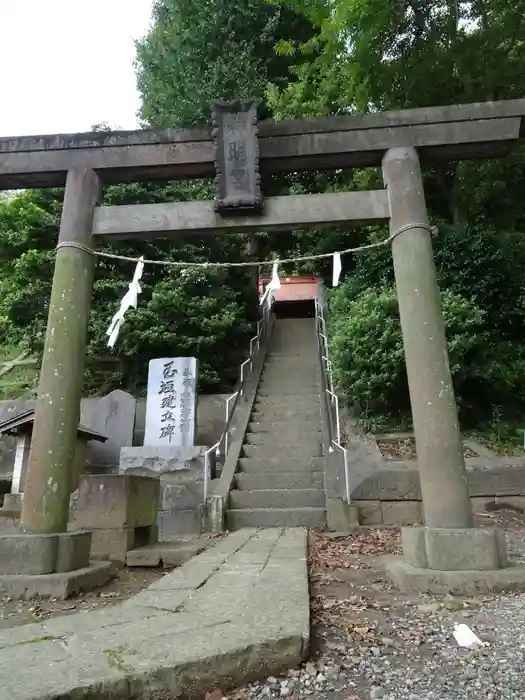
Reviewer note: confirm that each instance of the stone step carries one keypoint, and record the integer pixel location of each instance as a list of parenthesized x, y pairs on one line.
[(290, 372), (292, 425), (292, 365), (277, 498), (287, 399), (276, 517), (288, 385), (275, 407), (299, 414), (284, 393), (253, 481), (284, 439), (166, 554), (275, 451), (274, 356), (279, 463)]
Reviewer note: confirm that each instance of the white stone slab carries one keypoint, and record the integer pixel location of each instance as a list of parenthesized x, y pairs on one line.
[(171, 402)]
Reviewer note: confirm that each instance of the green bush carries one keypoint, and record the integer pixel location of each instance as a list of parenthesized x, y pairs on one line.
[(367, 347)]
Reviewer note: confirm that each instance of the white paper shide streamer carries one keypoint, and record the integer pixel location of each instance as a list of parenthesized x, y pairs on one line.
[(129, 300), (336, 269), (274, 283)]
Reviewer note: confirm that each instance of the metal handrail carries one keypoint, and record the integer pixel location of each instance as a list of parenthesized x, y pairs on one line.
[(220, 449), (332, 400)]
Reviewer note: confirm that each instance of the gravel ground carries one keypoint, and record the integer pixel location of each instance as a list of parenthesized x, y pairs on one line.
[(369, 641)]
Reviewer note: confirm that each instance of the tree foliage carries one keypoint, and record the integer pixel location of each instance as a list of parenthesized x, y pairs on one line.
[(181, 311), (369, 55), (193, 53), (197, 52), (310, 58)]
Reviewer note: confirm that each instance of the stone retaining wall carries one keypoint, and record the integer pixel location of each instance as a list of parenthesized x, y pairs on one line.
[(392, 495)]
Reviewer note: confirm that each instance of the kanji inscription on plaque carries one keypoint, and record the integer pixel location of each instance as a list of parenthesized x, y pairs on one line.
[(235, 135), (171, 402)]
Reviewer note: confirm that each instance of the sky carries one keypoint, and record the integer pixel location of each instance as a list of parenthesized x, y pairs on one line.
[(66, 65)]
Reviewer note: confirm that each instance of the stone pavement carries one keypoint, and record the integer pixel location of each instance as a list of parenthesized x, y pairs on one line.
[(236, 612)]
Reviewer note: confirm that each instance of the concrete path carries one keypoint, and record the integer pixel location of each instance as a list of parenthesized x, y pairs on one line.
[(236, 612)]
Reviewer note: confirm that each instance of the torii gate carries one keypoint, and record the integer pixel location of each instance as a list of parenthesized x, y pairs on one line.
[(396, 140)]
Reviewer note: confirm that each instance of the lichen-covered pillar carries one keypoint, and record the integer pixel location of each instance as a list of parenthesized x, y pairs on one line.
[(439, 449), (52, 456)]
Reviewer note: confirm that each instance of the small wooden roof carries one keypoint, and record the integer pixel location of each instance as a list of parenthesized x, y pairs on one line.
[(293, 287), (23, 423)]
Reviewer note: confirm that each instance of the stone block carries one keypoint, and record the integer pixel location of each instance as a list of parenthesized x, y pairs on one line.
[(509, 480), (512, 502), (481, 504), (113, 416), (13, 502), (399, 485), (341, 516), (148, 557), (471, 549), (116, 501), (28, 554), (215, 514), (59, 585), (480, 482), (183, 522), (9, 522), (368, 490), (167, 554), (112, 544), (74, 550), (363, 462), (401, 512), (181, 496), (172, 463), (414, 547), (412, 580), (369, 512)]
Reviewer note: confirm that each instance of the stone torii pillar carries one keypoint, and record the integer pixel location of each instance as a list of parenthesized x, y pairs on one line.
[(448, 554), (45, 506)]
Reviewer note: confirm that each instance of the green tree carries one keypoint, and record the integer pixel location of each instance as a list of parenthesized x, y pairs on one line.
[(207, 313), (194, 53), (387, 54), (369, 55), (197, 52)]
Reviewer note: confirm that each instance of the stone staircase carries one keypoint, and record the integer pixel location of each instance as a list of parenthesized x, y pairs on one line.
[(279, 479)]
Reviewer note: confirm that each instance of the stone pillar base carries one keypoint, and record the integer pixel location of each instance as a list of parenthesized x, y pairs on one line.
[(58, 565), (455, 561), (35, 554), (470, 549), (13, 502)]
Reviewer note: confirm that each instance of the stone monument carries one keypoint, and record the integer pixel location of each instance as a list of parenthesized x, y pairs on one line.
[(169, 452), (171, 402)]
